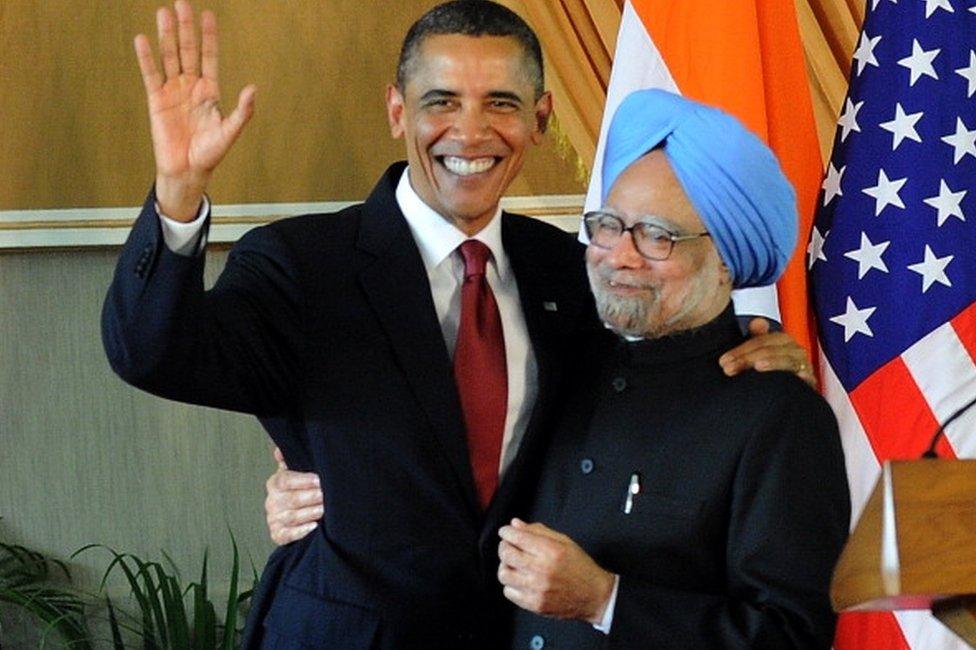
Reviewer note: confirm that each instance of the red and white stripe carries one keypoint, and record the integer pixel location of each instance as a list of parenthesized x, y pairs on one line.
[(892, 415)]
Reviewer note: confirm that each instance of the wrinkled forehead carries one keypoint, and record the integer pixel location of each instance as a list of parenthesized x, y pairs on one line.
[(649, 187)]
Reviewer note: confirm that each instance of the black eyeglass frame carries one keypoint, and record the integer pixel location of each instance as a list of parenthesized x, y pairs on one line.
[(590, 221)]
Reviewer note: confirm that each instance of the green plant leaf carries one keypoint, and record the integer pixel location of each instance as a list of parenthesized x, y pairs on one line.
[(113, 623), (230, 618), (24, 582)]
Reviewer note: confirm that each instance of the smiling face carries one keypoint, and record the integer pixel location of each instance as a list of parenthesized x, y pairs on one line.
[(636, 296), (467, 113)]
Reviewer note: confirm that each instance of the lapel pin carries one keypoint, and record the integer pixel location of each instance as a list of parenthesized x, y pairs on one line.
[(550, 306)]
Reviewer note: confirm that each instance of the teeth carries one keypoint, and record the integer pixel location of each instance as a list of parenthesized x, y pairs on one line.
[(465, 167)]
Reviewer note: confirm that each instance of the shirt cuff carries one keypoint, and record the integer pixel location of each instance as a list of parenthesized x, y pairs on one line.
[(186, 238), (604, 625)]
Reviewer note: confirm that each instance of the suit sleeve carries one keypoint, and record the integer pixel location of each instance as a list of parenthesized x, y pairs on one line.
[(232, 347), (789, 519)]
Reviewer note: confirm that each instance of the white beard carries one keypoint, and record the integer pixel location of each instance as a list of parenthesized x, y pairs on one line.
[(643, 317)]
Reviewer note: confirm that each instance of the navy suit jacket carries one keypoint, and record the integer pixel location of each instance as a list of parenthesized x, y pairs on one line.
[(324, 327)]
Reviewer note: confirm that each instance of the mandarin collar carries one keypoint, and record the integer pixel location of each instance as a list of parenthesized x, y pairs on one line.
[(711, 339)]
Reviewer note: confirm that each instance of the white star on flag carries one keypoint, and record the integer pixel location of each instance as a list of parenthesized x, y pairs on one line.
[(874, 3), (815, 247), (848, 120), (902, 126), (831, 184), (932, 269), (885, 193), (854, 320), (920, 62), (947, 203), (868, 256), (969, 72), (932, 5), (864, 54), (963, 141)]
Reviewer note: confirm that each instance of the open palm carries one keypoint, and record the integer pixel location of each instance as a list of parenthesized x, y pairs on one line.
[(190, 136)]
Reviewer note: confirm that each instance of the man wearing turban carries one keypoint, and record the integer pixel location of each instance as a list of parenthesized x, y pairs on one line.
[(678, 507)]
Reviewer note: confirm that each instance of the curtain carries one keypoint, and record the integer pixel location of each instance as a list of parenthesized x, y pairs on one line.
[(578, 38)]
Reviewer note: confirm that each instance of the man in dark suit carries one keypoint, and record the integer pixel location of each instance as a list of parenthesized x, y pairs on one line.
[(410, 369)]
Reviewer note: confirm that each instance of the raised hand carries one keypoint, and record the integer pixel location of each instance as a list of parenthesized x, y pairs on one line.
[(190, 136)]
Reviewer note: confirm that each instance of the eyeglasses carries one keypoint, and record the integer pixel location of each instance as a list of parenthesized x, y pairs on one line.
[(653, 242)]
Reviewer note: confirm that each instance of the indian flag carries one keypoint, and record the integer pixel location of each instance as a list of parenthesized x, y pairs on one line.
[(746, 58)]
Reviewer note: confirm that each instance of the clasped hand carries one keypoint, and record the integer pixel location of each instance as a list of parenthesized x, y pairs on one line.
[(546, 572)]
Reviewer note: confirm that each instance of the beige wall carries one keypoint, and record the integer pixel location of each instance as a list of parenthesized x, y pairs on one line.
[(85, 458)]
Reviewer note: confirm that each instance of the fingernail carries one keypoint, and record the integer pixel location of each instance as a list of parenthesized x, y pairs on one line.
[(310, 527), (318, 481), (763, 365)]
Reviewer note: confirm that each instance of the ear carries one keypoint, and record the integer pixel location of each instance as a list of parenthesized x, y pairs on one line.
[(724, 277), (543, 109), (394, 110)]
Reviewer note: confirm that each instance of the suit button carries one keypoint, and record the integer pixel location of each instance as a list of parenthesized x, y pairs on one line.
[(619, 384), (537, 643), (586, 465)]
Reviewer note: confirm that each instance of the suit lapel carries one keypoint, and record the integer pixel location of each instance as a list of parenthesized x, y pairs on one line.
[(396, 286), (539, 291)]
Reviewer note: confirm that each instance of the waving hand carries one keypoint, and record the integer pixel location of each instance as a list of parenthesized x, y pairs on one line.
[(190, 135)]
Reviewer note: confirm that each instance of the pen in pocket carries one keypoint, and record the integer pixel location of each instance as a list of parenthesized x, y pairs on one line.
[(633, 489)]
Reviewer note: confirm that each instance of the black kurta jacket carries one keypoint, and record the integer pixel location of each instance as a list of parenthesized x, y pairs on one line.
[(743, 505)]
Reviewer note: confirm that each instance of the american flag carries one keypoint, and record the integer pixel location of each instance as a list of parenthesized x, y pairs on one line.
[(892, 260)]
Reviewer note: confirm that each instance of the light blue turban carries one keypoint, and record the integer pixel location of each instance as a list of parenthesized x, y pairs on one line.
[(733, 180)]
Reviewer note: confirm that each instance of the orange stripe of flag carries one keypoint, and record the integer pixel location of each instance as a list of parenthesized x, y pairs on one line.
[(793, 136)]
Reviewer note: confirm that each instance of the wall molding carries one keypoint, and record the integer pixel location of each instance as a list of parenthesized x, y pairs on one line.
[(73, 228)]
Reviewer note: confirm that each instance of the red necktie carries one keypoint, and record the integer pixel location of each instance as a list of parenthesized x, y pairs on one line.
[(480, 370)]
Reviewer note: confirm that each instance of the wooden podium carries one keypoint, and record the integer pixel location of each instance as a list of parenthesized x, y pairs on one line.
[(914, 546)]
